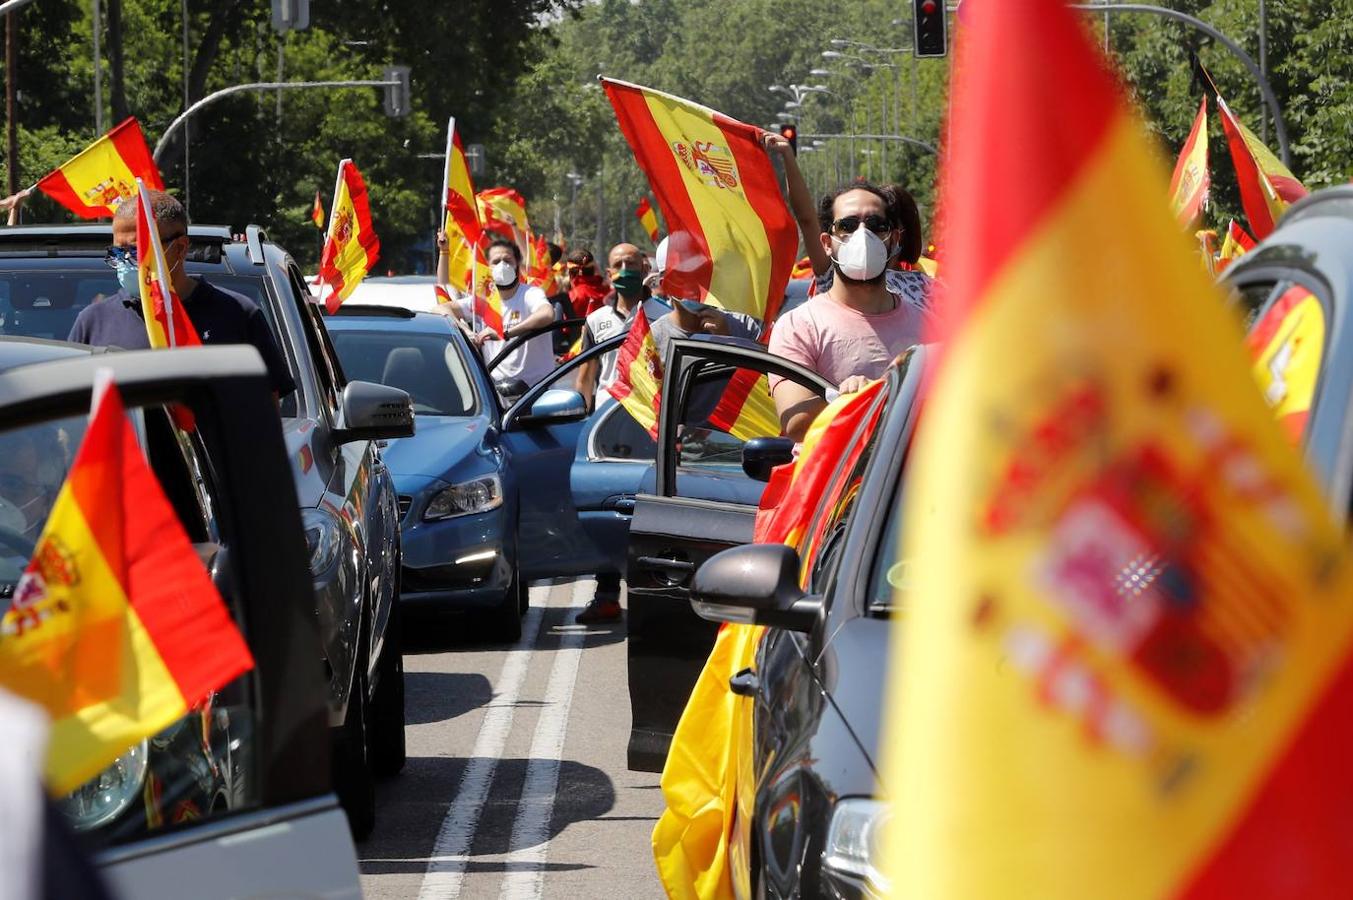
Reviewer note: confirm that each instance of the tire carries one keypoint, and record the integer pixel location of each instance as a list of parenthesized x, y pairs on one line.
[(504, 622), (388, 750), (353, 779)]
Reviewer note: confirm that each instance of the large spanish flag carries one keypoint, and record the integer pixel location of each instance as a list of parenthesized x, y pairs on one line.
[(351, 247), (1266, 185), (713, 181), (93, 182), (458, 198), (1191, 179), (115, 627), (1121, 666), (167, 322), (638, 383)]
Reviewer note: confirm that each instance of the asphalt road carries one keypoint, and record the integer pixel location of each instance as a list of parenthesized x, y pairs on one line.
[(516, 785)]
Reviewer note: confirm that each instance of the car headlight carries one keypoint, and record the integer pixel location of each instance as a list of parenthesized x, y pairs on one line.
[(103, 798), (479, 495), (323, 538), (853, 841)]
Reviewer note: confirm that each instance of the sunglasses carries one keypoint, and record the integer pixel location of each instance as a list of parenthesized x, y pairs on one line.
[(580, 270), (847, 225), (116, 257)]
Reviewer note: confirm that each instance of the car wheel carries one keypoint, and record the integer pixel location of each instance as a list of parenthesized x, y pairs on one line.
[(353, 780), (388, 752), (505, 619)]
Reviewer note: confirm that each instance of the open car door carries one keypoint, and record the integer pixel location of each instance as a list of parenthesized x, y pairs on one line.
[(234, 799), (702, 502)]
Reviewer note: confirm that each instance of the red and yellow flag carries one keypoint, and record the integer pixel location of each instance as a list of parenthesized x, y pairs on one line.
[(167, 322), (648, 218), (1266, 185), (714, 182), (1121, 663), (317, 212), (115, 627), (802, 269), (1191, 179), (503, 211), (458, 197), (1287, 346), (746, 409), (351, 248), (99, 177), (638, 384), (1236, 243), (488, 308)]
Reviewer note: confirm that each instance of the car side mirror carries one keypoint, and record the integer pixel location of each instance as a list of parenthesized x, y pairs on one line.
[(755, 584), (374, 412), (762, 454), (554, 407)]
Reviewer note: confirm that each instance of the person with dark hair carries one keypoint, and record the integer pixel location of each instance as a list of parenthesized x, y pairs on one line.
[(586, 288), (563, 306), (219, 316), (524, 308), (853, 331)]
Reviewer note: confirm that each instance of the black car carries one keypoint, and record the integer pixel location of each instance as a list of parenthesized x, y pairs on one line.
[(235, 798), (332, 430)]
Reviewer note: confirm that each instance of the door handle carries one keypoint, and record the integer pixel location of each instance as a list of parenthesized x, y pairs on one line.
[(662, 562), (745, 683)]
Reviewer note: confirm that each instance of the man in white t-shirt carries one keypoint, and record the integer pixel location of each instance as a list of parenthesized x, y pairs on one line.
[(524, 307)]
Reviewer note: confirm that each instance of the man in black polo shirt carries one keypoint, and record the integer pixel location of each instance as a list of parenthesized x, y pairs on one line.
[(218, 315)]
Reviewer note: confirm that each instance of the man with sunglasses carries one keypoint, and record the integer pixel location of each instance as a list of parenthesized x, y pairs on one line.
[(852, 332), (219, 316)]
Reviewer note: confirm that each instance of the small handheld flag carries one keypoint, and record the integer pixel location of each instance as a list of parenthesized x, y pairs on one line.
[(648, 218), (317, 212), (1191, 180), (167, 322)]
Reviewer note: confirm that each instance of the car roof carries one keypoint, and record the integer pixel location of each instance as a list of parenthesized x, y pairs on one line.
[(27, 351), (355, 316)]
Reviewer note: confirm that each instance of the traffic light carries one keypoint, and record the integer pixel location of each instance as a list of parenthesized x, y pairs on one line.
[(929, 34), (791, 134), (397, 98)]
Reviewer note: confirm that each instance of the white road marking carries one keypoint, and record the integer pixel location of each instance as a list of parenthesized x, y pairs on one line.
[(446, 870), (529, 847)]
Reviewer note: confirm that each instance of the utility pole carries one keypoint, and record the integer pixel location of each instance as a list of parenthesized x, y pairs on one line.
[(1263, 65), (98, 70), (11, 109), (187, 181)]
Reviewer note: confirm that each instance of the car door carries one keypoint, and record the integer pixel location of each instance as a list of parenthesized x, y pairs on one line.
[(576, 473), (267, 823), (701, 502)]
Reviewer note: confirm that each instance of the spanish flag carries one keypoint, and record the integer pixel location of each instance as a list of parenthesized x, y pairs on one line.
[(691, 841), (503, 211), (638, 385), (648, 218), (1267, 187), (99, 177), (1191, 180), (167, 322), (317, 212), (1287, 346), (458, 197), (1121, 660), (351, 248), (115, 627), (488, 308), (713, 181), (746, 409), (1236, 244)]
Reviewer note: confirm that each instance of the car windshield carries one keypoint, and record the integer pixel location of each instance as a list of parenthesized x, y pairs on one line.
[(34, 461), (43, 303), (427, 366)]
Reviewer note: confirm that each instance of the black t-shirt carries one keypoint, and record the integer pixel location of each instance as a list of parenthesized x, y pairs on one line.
[(220, 317)]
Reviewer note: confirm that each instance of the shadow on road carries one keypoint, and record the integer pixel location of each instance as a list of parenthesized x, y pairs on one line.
[(453, 632), (410, 810), (442, 696)]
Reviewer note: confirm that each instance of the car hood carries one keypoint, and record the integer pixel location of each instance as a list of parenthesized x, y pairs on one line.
[(441, 444)]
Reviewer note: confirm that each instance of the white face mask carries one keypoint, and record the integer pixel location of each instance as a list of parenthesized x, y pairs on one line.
[(504, 273), (862, 256)]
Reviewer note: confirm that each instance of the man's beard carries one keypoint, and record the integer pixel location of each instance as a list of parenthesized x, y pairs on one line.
[(877, 279)]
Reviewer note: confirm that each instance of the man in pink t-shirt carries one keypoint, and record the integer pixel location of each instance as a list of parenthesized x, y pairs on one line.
[(850, 334)]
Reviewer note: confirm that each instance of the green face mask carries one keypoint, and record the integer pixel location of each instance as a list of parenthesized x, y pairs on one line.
[(628, 281)]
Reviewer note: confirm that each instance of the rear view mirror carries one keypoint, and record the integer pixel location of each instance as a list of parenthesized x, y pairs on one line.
[(755, 584), (374, 412), (762, 454), (554, 407)]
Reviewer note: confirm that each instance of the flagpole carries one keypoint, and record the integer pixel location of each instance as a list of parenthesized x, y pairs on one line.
[(153, 229)]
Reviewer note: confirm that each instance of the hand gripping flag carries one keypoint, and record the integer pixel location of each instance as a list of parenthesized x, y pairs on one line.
[(638, 383), (1266, 185), (115, 627), (648, 218), (98, 178), (1191, 180), (713, 181), (351, 248), (1121, 663), (167, 322), (691, 841), (317, 212)]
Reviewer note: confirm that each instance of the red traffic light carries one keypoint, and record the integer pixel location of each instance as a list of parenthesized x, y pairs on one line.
[(791, 134), (928, 7)]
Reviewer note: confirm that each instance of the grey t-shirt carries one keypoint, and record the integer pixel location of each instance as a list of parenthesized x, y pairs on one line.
[(740, 325)]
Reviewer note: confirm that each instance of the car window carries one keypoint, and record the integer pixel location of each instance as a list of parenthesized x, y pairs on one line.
[(313, 327), (254, 289), (617, 436), (426, 366), (44, 303), (723, 408), (201, 766)]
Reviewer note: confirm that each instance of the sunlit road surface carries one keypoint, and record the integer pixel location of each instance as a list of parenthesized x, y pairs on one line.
[(516, 785)]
